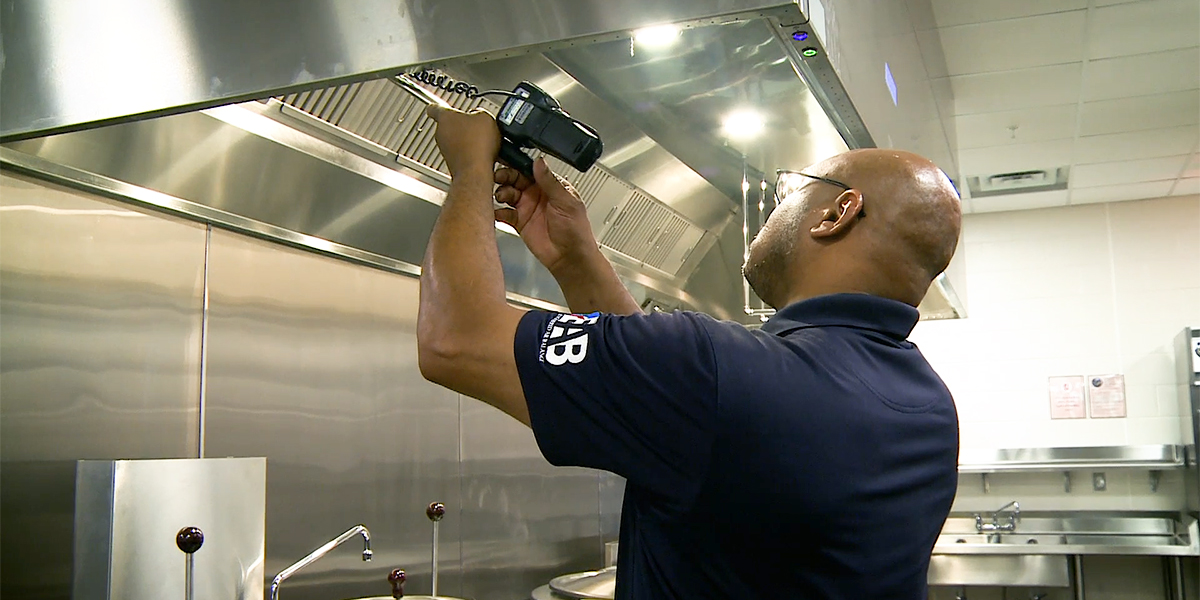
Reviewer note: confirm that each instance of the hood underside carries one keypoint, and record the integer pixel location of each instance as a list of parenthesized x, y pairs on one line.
[(355, 165)]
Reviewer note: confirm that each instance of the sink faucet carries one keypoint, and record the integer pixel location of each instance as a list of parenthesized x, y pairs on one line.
[(322, 551), (995, 525)]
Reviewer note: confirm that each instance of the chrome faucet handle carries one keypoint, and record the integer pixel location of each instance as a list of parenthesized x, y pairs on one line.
[(397, 578), (436, 511), (189, 540)]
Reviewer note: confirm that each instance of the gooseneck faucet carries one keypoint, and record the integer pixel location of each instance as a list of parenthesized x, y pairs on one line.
[(322, 551), (995, 525)]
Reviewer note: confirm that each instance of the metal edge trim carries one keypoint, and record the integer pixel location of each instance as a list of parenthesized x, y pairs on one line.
[(260, 124), (157, 201), (831, 93), (203, 391), (292, 112), (1139, 457)]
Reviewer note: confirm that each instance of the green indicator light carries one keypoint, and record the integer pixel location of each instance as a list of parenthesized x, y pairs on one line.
[(808, 52)]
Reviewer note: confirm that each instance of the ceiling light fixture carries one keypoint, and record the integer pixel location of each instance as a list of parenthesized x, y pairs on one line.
[(742, 124), (659, 36)]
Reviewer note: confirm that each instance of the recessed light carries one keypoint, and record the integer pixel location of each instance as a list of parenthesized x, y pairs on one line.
[(808, 52), (659, 36), (742, 124), (799, 36)]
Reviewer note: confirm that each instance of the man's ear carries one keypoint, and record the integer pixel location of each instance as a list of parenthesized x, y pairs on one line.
[(839, 219)]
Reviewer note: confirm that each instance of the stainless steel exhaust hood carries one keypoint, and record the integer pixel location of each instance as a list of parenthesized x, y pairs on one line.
[(351, 169)]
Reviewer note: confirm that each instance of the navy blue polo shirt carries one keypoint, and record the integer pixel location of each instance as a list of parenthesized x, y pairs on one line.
[(815, 458)]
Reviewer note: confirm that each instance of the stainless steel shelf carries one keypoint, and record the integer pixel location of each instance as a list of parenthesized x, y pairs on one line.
[(1152, 457)]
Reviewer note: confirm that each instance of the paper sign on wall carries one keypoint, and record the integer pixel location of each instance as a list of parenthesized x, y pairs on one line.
[(1106, 396), (1066, 397)]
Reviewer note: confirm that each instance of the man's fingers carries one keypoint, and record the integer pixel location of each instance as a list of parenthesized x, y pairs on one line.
[(512, 177), (508, 195), (508, 216), (434, 111)]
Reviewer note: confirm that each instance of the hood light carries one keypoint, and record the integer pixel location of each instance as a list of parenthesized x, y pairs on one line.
[(659, 36), (742, 124)]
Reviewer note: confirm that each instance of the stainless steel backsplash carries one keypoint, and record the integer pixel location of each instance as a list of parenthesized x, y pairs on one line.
[(309, 361)]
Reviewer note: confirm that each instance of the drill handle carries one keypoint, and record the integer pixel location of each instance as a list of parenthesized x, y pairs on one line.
[(514, 157)]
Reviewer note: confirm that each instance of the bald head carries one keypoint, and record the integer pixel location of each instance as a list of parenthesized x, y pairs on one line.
[(890, 235)]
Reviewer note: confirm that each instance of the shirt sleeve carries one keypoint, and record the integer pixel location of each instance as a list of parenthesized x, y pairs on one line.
[(635, 395)]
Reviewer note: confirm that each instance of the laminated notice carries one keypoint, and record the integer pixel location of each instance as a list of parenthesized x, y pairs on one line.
[(1067, 397), (1106, 396)]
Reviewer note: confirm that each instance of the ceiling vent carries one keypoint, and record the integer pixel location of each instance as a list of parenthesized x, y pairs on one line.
[(1018, 182)]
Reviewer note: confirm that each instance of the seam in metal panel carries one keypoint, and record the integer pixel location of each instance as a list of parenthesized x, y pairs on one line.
[(203, 392)]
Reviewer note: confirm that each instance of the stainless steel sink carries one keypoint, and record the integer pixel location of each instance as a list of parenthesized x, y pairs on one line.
[(1075, 534), (1013, 570)]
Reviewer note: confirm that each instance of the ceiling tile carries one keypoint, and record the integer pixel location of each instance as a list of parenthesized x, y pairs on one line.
[(1143, 74), (1133, 145), (1146, 112), (1129, 171), (961, 12), (1143, 27), (1019, 201), (1112, 2), (1193, 168), (1187, 187), (1009, 90), (1117, 193), (1014, 43), (1015, 157), (1032, 125)]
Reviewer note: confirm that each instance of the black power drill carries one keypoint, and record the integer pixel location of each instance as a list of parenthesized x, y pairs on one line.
[(531, 118)]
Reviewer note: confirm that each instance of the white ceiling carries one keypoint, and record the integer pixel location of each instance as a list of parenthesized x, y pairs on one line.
[(1109, 88)]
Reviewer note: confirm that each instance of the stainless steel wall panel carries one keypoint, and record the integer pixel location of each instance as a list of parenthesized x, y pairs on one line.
[(101, 315), (100, 308), (612, 495), (312, 363), (524, 521)]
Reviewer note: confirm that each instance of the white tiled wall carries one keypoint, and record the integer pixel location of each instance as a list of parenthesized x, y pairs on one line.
[(1077, 290)]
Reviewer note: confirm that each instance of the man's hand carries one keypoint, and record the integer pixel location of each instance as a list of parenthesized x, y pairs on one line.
[(549, 215), (553, 222), (469, 142)]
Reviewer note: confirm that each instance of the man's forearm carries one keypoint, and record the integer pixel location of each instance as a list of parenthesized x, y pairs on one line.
[(591, 285), (461, 277)]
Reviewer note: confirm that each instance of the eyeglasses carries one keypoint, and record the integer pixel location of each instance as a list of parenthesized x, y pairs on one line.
[(787, 182)]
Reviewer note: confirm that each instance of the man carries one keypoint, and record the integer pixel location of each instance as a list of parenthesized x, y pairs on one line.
[(815, 458)]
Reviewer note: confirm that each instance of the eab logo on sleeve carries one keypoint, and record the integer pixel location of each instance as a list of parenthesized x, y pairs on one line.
[(566, 339)]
